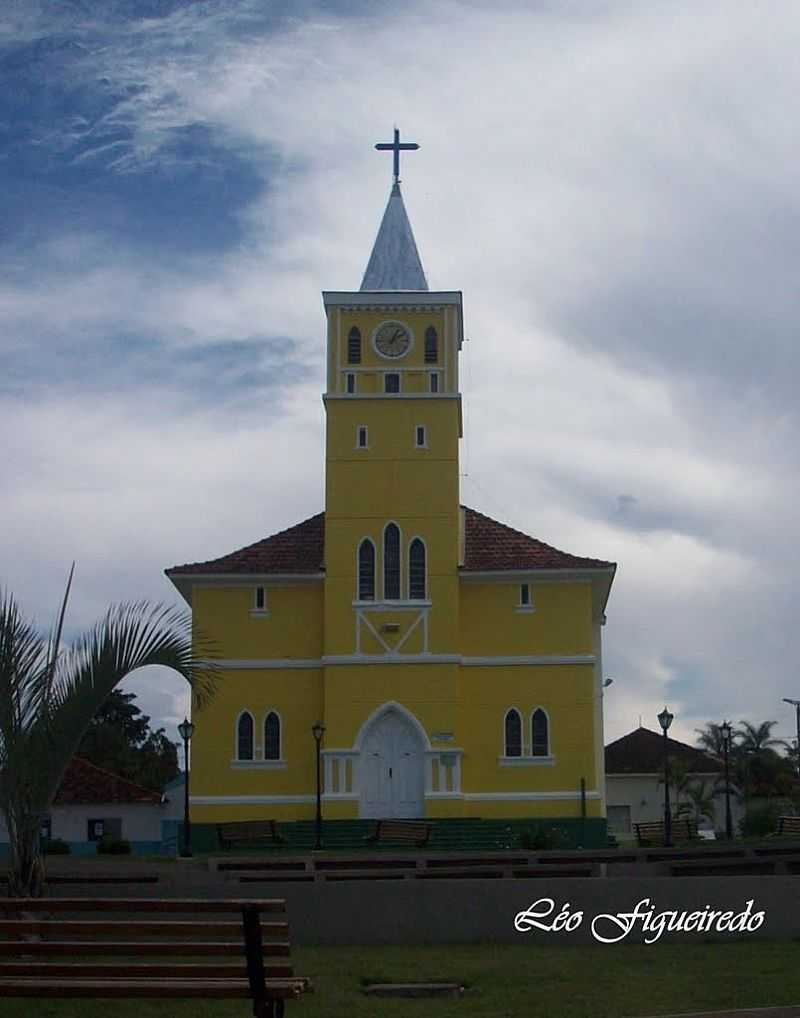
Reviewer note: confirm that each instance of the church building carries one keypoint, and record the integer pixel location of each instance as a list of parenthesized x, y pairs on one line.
[(454, 662)]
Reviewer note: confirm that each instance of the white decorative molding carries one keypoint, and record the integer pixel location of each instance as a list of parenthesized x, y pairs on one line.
[(534, 576), (259, 765), (233, 664), (389, 300), (259, 613), (526, 761), (526, 796), (251, 800), (533, 659)]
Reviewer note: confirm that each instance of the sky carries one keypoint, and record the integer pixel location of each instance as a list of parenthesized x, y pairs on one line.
[(613, 186)]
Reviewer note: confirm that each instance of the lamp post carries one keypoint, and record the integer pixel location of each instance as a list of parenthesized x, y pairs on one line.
[(665, 720), (186, 731), (796, 705), (318, 730), (725, 729)]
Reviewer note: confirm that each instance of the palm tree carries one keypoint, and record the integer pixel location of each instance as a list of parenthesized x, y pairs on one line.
[(756, 738), (710, 740), (49, 696)]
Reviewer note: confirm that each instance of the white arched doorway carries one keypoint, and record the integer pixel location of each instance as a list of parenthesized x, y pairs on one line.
[(392, 766)]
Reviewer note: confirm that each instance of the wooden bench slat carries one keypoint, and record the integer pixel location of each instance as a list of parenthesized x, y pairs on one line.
[(219, 989), (416, 831), (122, 948), (71, 948), (188, 905), (133, 928), (138, 970)]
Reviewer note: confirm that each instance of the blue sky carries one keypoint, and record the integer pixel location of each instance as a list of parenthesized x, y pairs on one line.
[(613, 188)]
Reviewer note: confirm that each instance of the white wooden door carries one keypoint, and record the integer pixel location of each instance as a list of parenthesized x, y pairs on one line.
[(392, 769)]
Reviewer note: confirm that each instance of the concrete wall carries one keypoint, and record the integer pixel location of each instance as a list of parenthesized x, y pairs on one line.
[(141, 824), (464, 910), (644, 796)]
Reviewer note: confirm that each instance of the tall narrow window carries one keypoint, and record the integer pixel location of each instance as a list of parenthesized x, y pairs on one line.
[(419, 436), (513, 733), (540, 742), (272, 736), (354, 346), (416, 570), (391, 382), (525, 595), (431, 345), (260, 602), (244, 737), (361, 436), (434, 381), (366, 570), (391, 563), (351, 383)]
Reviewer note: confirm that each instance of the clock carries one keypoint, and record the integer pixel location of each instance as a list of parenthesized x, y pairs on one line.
[(392, 339)]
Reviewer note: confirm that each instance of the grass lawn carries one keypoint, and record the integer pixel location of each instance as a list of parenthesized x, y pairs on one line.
[(504, 982)]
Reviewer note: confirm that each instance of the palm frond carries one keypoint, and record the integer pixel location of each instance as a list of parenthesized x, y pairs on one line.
[(131, 636)]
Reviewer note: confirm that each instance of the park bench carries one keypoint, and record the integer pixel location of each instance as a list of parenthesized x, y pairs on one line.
[(788, 827), (413, 832), (652, 832), (148, 948), (248, 832)]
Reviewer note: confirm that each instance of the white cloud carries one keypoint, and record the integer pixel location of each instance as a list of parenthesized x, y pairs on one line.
[(614, 194)]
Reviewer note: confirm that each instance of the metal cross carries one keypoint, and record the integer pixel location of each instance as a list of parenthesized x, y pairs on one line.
[(396, 146)]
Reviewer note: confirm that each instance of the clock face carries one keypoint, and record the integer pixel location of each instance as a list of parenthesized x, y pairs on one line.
[(392, 339)]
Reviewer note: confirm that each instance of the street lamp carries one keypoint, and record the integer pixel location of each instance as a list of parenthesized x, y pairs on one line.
[(318, 730), (796, 705), (665, 720), (186, 731), (725, 731)]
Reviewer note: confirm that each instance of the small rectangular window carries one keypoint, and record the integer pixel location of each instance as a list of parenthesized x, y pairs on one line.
[(525, 594), (95, 830), (354, 346), (420, 436), (351, 383), (434, 381), (362, 436), (260, 601), (391, 382)]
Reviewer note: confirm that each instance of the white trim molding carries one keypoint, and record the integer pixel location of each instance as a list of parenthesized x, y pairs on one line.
[(258, 765), (234, 664), (533, 659), (526, 796), (251, 800), (526, 761)]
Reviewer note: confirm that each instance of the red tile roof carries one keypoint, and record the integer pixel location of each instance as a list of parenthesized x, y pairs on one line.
[(299, 549), (489, 546), (85, 784), (642, 752)]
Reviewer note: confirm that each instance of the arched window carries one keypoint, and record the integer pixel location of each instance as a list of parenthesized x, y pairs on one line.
[(354, 346), (513, 733), (272, 736), (244, 737), (540, 741), (366, 570), (391, 563), (416, 570), (431, 345)]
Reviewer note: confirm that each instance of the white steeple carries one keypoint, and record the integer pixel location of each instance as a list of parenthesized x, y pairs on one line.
[(395, 263)]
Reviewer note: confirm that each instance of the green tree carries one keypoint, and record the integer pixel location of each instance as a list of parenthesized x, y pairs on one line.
[(709, 739), (119, 739), (48, 697)]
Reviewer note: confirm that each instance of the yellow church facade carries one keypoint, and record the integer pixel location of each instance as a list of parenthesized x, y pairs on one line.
[(455, 663)]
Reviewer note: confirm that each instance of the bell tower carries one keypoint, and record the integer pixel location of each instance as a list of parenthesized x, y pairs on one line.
[(393, 412)]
